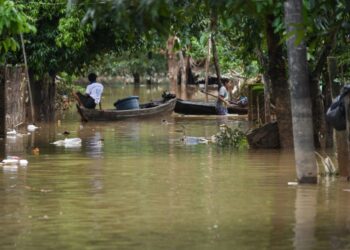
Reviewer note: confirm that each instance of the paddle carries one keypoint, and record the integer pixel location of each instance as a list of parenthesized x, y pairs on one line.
[(204, 92), (207, 93)]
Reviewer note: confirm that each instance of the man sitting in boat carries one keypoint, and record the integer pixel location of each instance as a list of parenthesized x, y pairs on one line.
[(92, 95), (222, 102), (241, 101)]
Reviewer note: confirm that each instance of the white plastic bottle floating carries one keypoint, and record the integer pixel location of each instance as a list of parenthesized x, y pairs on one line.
[(11, 132), (23, 163), (14, 161), (10, 161), (69, 142), (31, 127)]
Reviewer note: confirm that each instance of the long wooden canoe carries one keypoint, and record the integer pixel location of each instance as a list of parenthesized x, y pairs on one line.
[(146, 110), (205, 108)]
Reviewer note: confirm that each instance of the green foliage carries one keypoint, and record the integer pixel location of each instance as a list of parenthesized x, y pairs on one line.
[(231, 137), (127, 64), (72, 33), (13, 21)]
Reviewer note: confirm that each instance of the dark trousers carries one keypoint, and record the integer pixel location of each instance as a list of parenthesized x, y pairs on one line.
[(87, 101)]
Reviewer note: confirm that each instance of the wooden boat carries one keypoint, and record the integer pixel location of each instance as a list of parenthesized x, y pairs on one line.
[(146, 110), (205, 108)]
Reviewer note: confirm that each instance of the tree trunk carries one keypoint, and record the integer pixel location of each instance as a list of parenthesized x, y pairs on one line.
[(207, 63), (44, 91), (332, 72), (172, 63), (318, 114), (216, 61), (2, 103), (213, 27), (136, 77), (267, 85), (279, 84), (182, 68), (341, 138), (306, 167), (189, 73), (48, 93)]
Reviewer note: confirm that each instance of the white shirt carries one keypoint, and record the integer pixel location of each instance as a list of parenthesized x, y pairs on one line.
[(95, 91), (223, 92)]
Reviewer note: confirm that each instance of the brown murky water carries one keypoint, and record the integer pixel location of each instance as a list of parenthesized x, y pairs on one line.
[(136, 185)]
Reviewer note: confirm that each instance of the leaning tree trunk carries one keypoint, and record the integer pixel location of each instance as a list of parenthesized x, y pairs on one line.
[(279, 84), (306, 167)]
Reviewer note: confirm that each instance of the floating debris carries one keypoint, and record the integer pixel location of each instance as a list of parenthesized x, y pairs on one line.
[(10, 161), (14, 162), (328, 165), (192, 140), (23, 163), (12, 132), (68, 142), (31, 127)]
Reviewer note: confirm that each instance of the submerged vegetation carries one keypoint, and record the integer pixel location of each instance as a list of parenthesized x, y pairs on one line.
[(231, 137)]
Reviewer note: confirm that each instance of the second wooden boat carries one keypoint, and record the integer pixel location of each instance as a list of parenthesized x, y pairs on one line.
[(205, 108)]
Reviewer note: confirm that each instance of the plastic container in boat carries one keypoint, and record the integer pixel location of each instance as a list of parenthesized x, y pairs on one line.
[(131, 102)]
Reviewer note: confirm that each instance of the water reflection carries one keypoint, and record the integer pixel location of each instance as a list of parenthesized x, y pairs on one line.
[(135, 185), (305, 217)]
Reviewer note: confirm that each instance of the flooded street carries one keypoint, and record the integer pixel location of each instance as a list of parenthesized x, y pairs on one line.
[(135, 185)]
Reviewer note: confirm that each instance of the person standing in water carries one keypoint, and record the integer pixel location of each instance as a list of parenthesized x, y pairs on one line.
[(222, 101), (92, 95)]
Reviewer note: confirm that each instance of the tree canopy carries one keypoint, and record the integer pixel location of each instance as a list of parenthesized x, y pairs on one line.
[(13, 21)]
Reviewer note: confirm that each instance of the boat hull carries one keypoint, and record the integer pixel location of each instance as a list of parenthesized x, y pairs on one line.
[(205, 108), (147, 110)]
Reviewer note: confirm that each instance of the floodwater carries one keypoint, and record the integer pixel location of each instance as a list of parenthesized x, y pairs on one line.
[(136, 185)]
